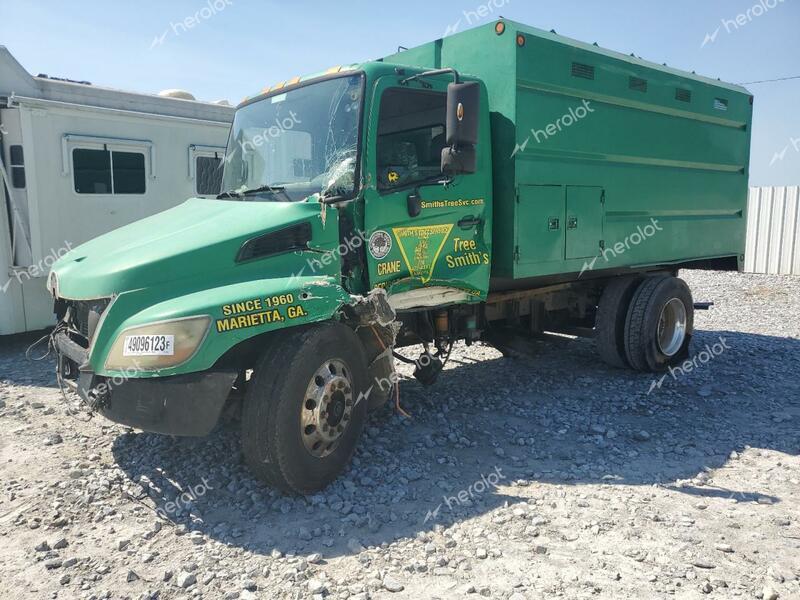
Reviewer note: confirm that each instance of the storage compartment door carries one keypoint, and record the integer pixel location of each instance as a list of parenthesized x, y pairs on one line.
[(584, 226), (540, 224)]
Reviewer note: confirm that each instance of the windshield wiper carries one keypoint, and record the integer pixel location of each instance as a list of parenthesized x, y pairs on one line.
[(263, 188), (272, 189)]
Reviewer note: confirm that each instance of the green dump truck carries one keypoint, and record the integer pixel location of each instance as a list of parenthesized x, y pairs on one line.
[(492, 185)]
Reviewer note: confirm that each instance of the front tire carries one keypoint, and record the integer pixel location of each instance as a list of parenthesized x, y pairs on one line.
[(304, 409)]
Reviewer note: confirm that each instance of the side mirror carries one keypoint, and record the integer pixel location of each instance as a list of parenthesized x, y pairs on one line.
[(463, 111), (463, 116)]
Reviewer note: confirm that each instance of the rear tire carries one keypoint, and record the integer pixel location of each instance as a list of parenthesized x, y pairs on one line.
[(659, 325), (612, 312), (304, 408)]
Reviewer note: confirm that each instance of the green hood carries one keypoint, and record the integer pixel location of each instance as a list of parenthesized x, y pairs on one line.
[(198, 237)]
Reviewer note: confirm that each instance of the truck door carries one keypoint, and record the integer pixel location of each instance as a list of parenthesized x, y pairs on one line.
[(421, 233)]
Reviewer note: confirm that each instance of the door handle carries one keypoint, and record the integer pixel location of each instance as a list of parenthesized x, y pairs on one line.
[(414, 204), (469, 222)]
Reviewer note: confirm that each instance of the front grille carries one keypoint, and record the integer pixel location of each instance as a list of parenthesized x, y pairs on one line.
[(85, 314)]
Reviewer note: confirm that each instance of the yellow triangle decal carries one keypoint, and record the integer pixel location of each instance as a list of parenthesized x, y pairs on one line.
[(421, 247)]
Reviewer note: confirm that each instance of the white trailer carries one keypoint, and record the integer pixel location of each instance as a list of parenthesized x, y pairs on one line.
[(77, 161)]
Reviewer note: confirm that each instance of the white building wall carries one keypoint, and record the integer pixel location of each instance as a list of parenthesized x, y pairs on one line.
[(773, 231)]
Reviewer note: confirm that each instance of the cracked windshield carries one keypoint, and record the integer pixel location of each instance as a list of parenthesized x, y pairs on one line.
[(290, 146)]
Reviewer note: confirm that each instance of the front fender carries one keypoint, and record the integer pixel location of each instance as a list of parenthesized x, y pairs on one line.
[(238, 312)]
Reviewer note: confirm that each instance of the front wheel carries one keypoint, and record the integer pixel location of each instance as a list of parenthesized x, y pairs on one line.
[(305, 409)]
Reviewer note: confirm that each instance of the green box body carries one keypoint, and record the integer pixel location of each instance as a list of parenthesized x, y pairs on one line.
[(601, 156)]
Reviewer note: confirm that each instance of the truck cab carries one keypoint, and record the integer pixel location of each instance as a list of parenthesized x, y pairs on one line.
[(336, 213)]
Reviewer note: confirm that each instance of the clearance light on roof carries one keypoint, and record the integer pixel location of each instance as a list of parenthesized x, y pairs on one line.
[(500, 28), (520, 40)]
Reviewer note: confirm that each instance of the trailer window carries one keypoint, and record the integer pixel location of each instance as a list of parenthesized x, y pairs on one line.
[(208, 181), (411, 136), (92, 171), (128, 173), (108, 171), (17, 167)]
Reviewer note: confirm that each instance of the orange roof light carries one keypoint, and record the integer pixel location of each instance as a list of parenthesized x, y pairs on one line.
[(500, 28), (520, 40)]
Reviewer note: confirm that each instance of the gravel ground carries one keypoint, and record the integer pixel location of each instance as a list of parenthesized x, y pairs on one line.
[(552, 476)]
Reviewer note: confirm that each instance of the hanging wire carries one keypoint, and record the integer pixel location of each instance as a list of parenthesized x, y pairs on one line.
[(770, 80)]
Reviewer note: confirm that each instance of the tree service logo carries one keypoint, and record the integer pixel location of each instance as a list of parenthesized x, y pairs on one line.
[(380, 243)]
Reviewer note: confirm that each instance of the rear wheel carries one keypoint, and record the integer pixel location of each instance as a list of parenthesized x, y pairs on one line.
[(612, 312), (659, 324), (304, 409)]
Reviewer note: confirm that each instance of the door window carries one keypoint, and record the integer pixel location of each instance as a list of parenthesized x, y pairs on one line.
[(411, 136)]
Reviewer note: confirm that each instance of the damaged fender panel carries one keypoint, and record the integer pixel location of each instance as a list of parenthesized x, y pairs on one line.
[(373, 309), (377, 327), (241, 311)]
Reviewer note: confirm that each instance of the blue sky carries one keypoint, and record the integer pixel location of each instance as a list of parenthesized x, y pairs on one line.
[(143, 45)]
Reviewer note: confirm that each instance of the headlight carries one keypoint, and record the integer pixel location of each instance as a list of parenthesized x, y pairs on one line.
[(159, 345)]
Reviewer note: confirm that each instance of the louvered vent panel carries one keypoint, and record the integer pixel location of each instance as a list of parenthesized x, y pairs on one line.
[(638, 84), (290, 239), (583, 71)]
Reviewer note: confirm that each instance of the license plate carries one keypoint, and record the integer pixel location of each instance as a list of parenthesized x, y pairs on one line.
[(149, 345)]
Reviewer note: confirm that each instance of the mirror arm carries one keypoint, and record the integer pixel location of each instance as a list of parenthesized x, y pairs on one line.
[(336, 200), (455, 74)]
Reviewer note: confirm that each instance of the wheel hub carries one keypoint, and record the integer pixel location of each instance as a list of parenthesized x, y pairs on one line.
[(672, 327), (327, 408)]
